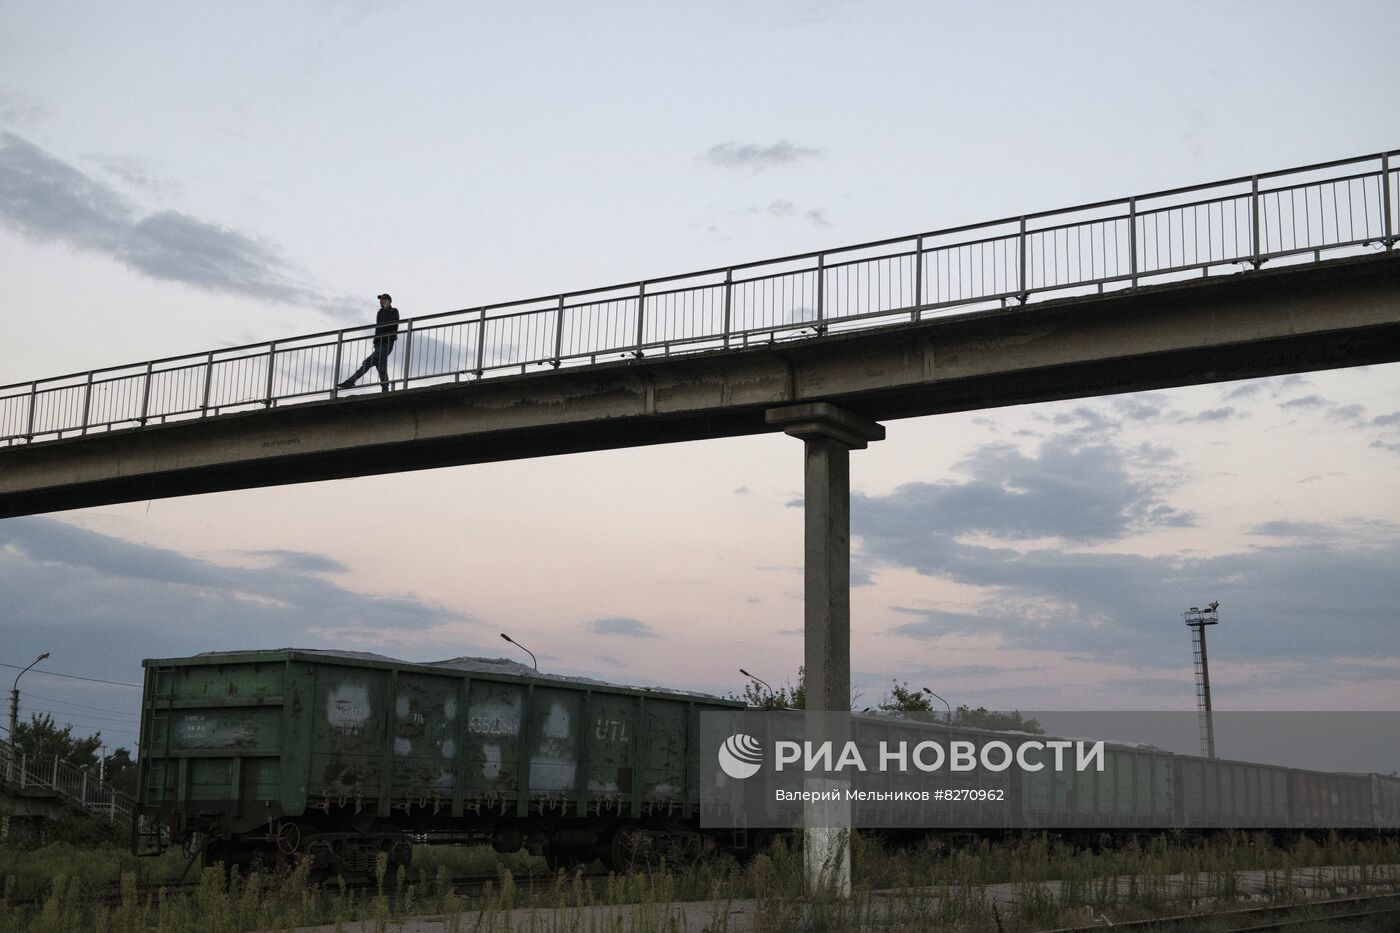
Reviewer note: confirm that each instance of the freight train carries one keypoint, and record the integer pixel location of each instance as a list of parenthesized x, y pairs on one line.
[(343, 756)]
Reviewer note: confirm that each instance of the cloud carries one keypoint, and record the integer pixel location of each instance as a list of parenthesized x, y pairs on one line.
[(1083, 423), (1306, 401), (631, 628), (756, 158), (1368, 532), (135, 174), (784, 209), (301, 561), (1079, 493), (48, 200), (1351, 414), (1121, 607), (1127, 607), (19, 109), (1225, 413), (1244, 391), (74, 589)]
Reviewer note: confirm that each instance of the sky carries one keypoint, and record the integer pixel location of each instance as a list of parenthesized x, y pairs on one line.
[(178, 178)]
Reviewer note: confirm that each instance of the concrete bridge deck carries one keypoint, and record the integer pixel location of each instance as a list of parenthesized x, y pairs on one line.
[(1337, 313)]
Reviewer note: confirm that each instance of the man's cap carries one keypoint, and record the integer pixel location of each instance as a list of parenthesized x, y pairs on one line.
[(386, 296)]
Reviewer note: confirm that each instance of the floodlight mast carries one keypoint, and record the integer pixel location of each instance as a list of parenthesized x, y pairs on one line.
[(1198, 619)]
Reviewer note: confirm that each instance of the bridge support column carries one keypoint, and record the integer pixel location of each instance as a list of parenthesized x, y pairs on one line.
[(23, 831), (829, 434)]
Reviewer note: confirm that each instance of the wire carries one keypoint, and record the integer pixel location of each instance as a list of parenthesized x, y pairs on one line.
[(94, 680), (57, 714), (69, 722), (95, 709)]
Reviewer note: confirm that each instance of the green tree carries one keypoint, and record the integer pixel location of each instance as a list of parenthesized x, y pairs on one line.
[(786, 696), (983, 718), (120, 771), (904, 698), (42, 738)]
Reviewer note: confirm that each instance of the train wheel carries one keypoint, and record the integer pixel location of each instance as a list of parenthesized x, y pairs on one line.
[(288, 839)]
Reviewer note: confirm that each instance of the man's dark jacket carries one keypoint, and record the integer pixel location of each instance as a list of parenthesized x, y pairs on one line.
[(387, 330)]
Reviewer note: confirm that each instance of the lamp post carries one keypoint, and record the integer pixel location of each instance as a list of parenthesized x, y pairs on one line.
[(522, 648), (14, 697), (943, 701), (756, 680)]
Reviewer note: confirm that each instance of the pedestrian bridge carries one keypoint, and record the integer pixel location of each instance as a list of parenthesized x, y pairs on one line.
[(1259, 275), (46, 787)]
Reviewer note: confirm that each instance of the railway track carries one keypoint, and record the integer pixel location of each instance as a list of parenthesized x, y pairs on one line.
[(1277, 917), (469, 885), (1282, 918)]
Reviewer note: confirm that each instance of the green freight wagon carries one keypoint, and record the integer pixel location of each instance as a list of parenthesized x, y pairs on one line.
[(342, 756)]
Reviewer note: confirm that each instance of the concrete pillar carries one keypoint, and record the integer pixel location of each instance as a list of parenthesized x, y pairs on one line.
[(24, 832), (828, 434)]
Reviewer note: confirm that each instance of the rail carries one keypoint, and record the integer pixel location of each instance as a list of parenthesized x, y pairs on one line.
[(1295, 215), (75, 786)]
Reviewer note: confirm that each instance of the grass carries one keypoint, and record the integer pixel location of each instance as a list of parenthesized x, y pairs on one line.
[(935, 885)]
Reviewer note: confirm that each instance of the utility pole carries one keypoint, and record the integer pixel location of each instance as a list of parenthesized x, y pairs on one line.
[(1198, 619), (14, 697)]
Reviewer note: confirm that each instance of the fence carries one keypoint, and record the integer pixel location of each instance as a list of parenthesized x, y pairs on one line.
[(73, 785), (1296, 215)]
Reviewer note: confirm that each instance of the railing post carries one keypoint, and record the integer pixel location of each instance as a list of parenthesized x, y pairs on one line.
[(481, 345), (146, 394), (1023, 283), (821, 293), (23, 769), (641, 316), (918, 277), (208, 381), (728, 304), (83, 790), (33, 409), (87, 401), (1255, 238), (558, 333), (1132, 241), (335, 373), (408, 353), (1389, 237), (271, 369)]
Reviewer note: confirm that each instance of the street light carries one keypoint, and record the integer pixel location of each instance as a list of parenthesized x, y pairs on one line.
[(522, 648), (14, 697), (753, 678), (943, 701)]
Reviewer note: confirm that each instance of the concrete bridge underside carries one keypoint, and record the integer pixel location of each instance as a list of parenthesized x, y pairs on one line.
[(1270, 322)]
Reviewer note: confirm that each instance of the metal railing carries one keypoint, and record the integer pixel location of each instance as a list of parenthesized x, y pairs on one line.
[(1296, 215), (73, 785)]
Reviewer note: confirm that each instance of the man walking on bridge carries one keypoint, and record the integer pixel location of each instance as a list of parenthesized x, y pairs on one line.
[(386, 332)]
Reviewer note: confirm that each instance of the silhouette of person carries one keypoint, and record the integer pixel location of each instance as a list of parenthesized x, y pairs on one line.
[(386, 331)]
